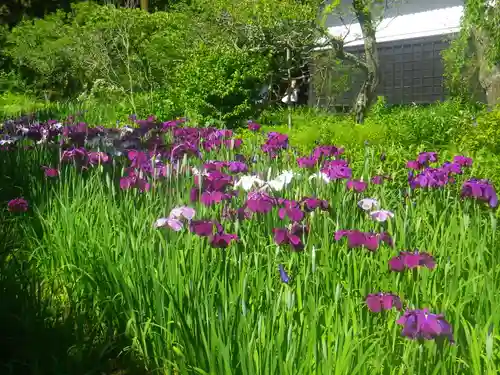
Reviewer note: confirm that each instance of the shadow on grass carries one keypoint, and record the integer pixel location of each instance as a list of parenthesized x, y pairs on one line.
[(34, 337)]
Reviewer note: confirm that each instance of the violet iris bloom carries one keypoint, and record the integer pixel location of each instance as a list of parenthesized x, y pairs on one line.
[(482, 190), (253, 126), (291, 236), (356, 185), (222, 240), (291, 210), (283, 275), (260, 202), (205, 228), (134, 180), (321, 152), (242, 213), (370, 241), (431, 178), (463, 161), (337, 169), (311, 204), (424, 158), (379, 179), (212, 188), (237, 167), (96, 158), (307, 162), (383, 301), (421, 324), (17, 205), (50, 172), (275, 142), (411, 260)]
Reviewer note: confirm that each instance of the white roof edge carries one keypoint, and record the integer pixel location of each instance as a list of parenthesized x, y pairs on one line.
[(437, 22)]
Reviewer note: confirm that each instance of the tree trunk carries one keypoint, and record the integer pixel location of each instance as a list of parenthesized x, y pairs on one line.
[(489, 74), (371, 68), (145, 5)]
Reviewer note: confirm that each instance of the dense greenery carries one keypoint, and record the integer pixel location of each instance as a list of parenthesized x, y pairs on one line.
[(89, 285), (86, 261)]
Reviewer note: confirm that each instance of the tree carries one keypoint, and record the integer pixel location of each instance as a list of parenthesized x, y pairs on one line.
[(475, 55), (267, 26)]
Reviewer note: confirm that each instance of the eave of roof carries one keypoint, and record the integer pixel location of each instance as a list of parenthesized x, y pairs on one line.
[(416, 25)]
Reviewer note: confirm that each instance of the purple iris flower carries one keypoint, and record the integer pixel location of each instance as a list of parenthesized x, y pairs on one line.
[(253, 126), (356, 185), (379, 179), (383, 301), (291, 236), (275, 142), (134, 180), (242, 213), (411, 260), (337, 169), (311, 204), (283, 275), (76, 155), (18, 205), (215, 165), (320, 152), (222, 240), (413, 164), (421, 324), (482, 190), (260, 202), (50, 172), (208, 198), (463, 161), (237, 167), (211, 188), (205, 228), (424, 158), (432, 178), (96, 158), (291, 210), (370, 241), (307, 162), (214, 180)]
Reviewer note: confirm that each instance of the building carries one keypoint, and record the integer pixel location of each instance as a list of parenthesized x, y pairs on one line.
[(410, 38)]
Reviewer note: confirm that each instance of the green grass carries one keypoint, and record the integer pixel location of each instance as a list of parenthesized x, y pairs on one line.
[(169, 301)]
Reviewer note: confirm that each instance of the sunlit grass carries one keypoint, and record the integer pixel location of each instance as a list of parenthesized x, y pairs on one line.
[(185, 307)]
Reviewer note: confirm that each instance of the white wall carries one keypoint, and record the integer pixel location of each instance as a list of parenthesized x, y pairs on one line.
[(393, 8), (411, 19)]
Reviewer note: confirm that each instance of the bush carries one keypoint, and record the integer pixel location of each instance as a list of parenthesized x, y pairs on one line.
[(112, 54), (218, 82), (482, 133), (440, 124)]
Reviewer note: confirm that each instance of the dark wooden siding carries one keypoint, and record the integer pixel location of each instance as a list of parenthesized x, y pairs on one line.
[(411, 72)]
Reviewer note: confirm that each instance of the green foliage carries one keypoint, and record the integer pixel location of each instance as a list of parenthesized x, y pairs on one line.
[(69, 52), (219, 82), (440, 124), (16, 104), (111, 281), (482, 133), (476, 48)]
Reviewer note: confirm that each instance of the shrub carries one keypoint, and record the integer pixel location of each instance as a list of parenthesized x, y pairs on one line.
[(440, 124), (482, 133), (218, 82)]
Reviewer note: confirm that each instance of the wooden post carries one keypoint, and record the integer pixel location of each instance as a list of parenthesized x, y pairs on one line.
[(145, 5)]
